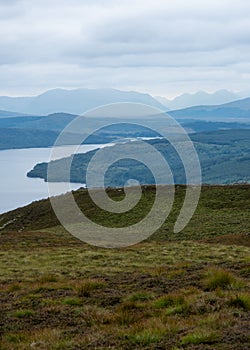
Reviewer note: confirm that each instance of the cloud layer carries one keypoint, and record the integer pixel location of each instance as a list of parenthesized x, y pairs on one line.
[(162, 46)]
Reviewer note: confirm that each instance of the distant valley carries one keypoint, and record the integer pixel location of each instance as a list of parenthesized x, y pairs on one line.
[(221, 133), (18, 130)]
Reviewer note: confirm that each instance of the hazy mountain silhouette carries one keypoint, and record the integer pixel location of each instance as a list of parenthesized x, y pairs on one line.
[(73, 101), (199, 98)]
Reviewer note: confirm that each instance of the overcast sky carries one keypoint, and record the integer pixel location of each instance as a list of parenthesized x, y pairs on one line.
[(164, 47)]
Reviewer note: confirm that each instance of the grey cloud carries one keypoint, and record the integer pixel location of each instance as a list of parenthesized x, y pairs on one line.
[(79, 43)]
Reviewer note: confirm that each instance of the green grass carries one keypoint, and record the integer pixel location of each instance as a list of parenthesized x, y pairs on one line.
[(222, 210), (241, 301), (140, 296), (58, 293), (169, 300), (85, 288), (48, 278), (177, 310), (146, 337), (71, 301), (200, 337), (220, 278), (23, 313), (89, 297)]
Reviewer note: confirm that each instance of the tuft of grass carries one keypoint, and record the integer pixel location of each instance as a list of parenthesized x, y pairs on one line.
[(200, 337), (94, 315), (126, 317), (147, 332), (219, 278), (71, 301), (241, 301), (50, 301), (23, 313), (130, 305), (84, 288), (182, 309), (146, 337), (14, 338), (169, 300), (139, 296), (48, 277), (217, 320)]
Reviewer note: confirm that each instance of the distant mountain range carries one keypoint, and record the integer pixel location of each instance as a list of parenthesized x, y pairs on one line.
[(79, 101), (73, 101), (233, 111), (198, 98), (9, 114), (22, 131)]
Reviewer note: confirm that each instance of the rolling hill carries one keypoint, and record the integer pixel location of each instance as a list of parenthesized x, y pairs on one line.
[(233, 115), (8, 114), (221, 210), (237, 111)]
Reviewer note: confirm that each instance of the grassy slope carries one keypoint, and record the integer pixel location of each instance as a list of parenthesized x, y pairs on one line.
[(221, 210), (59, 293)]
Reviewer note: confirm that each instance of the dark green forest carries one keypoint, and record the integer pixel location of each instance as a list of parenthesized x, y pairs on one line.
[(224, 158)]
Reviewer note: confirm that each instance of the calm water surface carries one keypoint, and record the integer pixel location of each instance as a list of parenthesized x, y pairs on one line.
[(16, 189)]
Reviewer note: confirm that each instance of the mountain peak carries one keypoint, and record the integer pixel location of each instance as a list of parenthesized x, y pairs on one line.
[(200, 98)]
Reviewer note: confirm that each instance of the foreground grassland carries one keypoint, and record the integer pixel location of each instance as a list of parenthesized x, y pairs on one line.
[(58, 293), (188, 292)]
